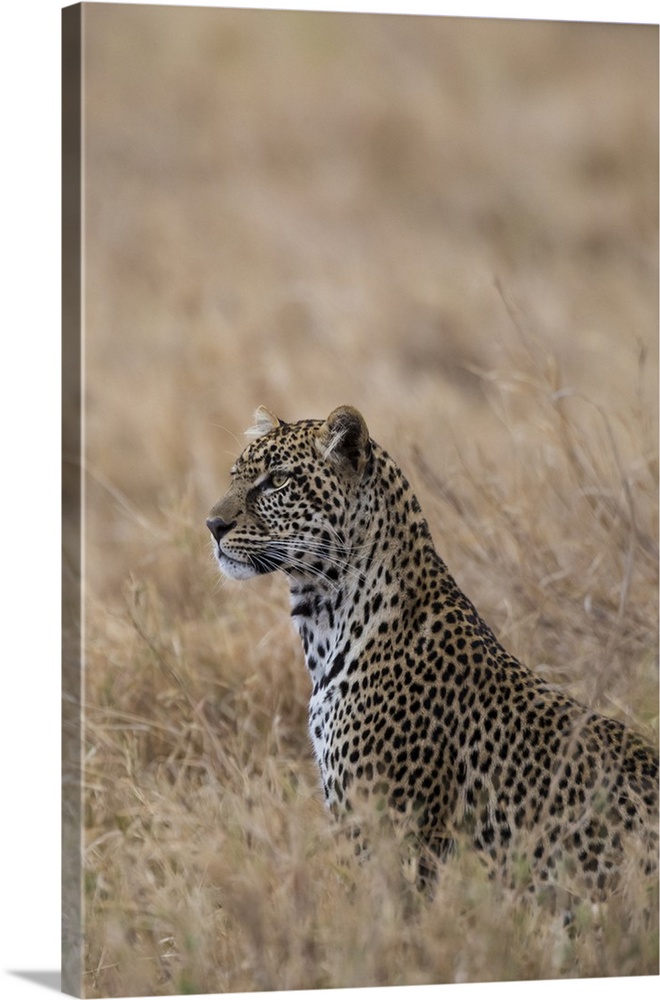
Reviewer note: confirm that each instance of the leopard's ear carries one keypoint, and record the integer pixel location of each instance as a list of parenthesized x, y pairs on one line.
[(264, 421), (344, 437)]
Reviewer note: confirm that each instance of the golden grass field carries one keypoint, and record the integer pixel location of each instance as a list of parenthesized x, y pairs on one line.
[(451, 225)]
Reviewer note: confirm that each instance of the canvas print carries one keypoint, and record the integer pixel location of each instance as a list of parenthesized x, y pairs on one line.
[(360, 470)]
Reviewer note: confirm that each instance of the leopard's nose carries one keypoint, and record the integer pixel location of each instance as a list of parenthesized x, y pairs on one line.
[(218, 527)]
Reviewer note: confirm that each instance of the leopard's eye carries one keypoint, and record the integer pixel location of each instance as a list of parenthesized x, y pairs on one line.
[(271, 481), (278, 479)]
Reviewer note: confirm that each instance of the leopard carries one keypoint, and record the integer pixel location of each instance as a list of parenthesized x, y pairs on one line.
[(416, 708)]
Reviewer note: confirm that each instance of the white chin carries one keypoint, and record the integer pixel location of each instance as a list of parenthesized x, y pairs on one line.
[(234, 569)]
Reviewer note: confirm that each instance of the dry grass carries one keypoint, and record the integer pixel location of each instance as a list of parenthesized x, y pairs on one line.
[(451, 225)]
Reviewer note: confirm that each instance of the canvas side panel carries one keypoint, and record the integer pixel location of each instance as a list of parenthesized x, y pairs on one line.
[(72, 913)]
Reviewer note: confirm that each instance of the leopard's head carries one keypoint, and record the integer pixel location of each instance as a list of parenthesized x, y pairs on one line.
[(292, 491)]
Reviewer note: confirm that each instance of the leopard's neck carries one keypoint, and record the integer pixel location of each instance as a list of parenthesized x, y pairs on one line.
[(373, 575)]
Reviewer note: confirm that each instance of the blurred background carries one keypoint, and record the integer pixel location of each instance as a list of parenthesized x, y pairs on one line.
[(306, 209)]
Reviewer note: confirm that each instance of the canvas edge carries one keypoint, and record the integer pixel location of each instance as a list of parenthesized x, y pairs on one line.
[(72, 620)]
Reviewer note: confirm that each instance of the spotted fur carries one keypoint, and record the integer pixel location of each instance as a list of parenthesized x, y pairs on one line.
[(416, 708)]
